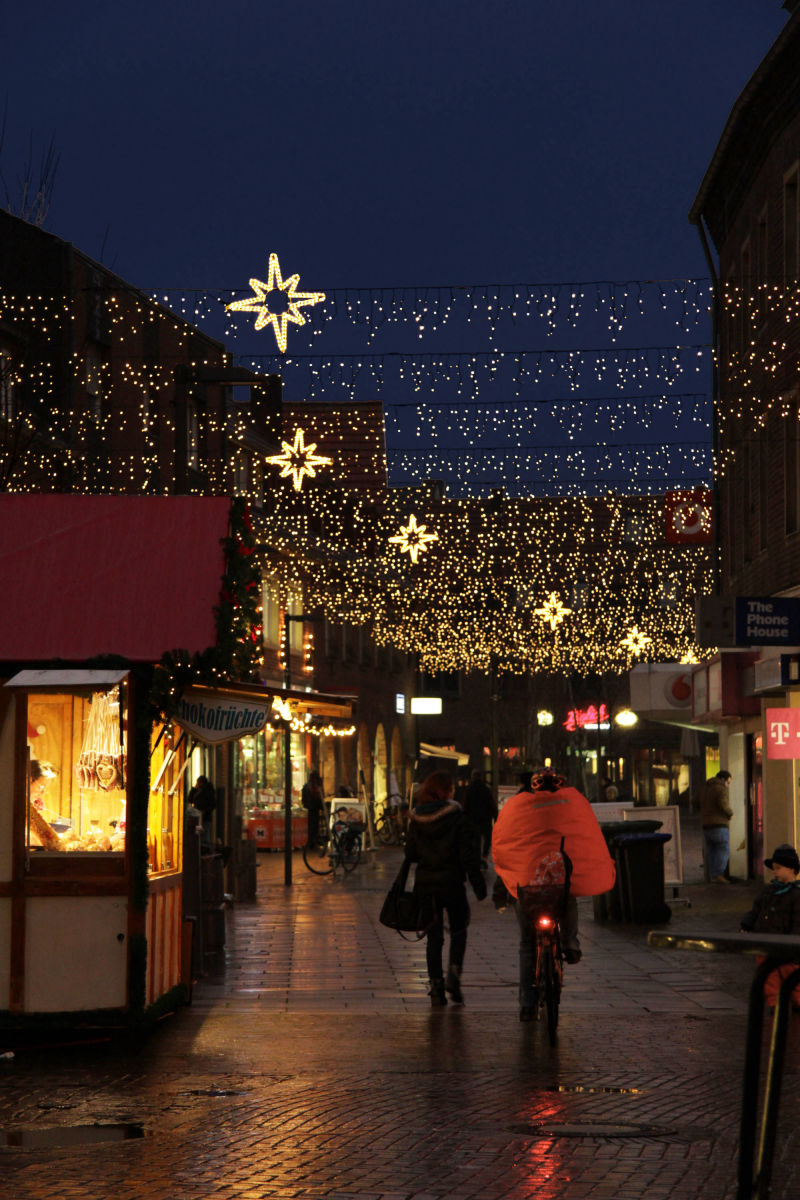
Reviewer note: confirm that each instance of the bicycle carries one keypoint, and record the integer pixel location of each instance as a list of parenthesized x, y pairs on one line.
[(389, 825), (549, 971), (539, 906), (337, 844)]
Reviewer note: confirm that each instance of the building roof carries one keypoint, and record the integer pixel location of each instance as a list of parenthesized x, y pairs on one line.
[(756, 118), (133, 576)]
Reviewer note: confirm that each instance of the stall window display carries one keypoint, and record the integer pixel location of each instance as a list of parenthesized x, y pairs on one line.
[(77, 768), (168, 761)]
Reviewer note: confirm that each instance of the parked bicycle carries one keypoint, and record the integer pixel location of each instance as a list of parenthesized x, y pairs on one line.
[(390, 825), (338, 843)]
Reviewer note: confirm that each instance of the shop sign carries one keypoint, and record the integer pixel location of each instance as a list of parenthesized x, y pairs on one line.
[(214, 717), (767, 621), (587, 718), (783, 732)]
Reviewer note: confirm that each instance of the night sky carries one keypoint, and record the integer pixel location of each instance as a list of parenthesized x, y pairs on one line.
[(379, 146)]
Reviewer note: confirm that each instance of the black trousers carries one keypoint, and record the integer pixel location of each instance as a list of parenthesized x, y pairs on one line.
[(451, 906)]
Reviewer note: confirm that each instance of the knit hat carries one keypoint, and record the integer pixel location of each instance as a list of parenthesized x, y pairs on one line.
[(784, 856)]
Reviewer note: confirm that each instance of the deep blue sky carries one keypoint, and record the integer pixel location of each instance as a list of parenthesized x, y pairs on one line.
[(374, 144), (377, 144)]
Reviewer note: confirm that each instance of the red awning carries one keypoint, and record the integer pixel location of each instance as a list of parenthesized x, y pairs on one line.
[(128, 575)]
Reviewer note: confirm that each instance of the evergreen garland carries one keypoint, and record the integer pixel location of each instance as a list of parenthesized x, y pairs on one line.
[(237, 652)]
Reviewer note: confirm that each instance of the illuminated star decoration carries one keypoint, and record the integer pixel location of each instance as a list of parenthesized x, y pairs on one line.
[(298, 460), (553, 610), (258, 303), (635, 642), (413, 538)]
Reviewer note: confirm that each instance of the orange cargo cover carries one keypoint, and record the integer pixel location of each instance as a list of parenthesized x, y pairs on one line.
[(532, 823)]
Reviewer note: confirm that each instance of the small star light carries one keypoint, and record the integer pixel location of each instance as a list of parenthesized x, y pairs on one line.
[(281, 708), (258, 303), (636, 641), (413, 538), (298, 460), (552, 610)]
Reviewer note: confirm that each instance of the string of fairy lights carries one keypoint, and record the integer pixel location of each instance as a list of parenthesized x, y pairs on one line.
[(528, 575)]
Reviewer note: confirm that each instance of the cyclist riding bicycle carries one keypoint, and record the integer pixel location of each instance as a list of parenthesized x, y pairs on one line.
[(542, 818)]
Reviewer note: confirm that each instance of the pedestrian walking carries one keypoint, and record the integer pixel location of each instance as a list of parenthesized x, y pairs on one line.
[(715, 817), (440, 842), (481, 812), (776, 909)]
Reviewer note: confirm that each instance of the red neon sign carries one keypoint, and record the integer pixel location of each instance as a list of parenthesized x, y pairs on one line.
[(578, 718)]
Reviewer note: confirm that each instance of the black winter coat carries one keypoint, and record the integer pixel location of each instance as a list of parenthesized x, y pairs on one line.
[(442, 844), (776, 909)]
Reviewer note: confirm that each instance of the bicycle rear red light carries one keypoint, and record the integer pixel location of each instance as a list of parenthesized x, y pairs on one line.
[(544, 922)]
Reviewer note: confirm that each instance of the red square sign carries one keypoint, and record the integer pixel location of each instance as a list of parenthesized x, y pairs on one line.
[(783, 732), (688, 516)]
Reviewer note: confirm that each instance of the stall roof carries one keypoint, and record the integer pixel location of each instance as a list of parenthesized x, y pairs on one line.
[(133, 576)]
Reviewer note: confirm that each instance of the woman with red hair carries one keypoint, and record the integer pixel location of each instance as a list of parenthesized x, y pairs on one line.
[(443, 846)]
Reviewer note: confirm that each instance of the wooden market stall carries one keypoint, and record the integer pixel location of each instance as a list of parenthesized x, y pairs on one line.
[(99, 591)]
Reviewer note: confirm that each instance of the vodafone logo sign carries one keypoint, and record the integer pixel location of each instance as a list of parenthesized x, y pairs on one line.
[(688, 516), (678, 690)]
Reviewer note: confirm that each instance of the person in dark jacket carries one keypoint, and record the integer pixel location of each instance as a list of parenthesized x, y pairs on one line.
[(481, 811), (313, 802), (444, 848), (776, 909)]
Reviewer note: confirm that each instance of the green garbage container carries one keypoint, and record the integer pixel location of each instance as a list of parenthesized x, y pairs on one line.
[(642, 858), (614, 905)]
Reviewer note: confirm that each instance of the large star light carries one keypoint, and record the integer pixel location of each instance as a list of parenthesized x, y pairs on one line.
[(636, 641), (552, 610), (259, 302), (298, 460), (413, 538)]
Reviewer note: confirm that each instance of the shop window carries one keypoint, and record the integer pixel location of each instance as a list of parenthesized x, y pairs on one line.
[(791, 228), (77, 769), (165, 807)]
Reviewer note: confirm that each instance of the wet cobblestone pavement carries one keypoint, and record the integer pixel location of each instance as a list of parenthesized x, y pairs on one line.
[(309, 1065)]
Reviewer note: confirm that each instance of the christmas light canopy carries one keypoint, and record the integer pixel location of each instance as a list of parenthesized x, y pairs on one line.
[(553, 611), (414, 538), (259, 302), (298, 459)]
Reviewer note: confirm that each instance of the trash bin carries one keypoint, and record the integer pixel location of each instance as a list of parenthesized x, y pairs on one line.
[(614, 905), (641, 856)]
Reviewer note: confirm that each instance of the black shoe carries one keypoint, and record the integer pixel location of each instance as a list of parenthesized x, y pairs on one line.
[(572, 956), (453, 985), (438, 998)]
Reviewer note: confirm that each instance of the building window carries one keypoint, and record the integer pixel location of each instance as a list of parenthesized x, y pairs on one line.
[(762, 265), (272, 614), (192, 436), (791, 465), (763, 490), (93, 378), (241, 474), (791, 227), (8, 402)]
